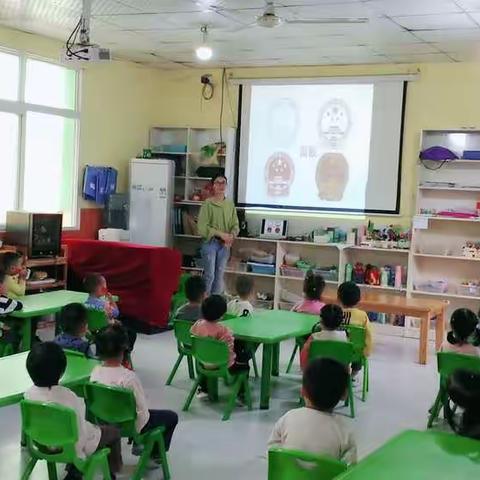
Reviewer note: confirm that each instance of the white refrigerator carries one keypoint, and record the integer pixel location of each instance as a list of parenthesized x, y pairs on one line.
[(151, 201)]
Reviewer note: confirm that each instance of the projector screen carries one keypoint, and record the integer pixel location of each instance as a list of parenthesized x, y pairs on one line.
[(321, 146)]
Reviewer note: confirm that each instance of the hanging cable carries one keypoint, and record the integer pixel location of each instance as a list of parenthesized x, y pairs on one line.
[(221, 105), (207, 91)]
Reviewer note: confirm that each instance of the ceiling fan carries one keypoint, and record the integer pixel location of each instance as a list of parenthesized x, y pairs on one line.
[(269, 19)]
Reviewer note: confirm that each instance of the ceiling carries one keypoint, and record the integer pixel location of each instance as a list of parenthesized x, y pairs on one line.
[(165, 32)]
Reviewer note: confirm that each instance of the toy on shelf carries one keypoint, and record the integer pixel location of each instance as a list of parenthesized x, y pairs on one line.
[(386, 276), (470, 288), (390, 236), (461, 213), (471, 250)]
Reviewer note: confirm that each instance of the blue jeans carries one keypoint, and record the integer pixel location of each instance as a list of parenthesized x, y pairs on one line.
[(215, 257)]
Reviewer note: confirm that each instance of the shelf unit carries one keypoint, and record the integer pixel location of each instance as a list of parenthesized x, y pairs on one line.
[(436, 251), (189, 141), (319, 254)]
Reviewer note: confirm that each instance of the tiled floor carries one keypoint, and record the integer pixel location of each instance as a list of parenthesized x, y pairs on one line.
[(205, 448)]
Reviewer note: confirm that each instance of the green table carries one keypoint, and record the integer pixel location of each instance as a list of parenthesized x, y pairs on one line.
[(416, 455), (43, 304), (270, 327), (15, 380)]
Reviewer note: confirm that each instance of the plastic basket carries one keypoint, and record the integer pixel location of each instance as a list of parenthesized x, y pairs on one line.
[(435, 286), (287, 271), (330, 274), (469, 290)]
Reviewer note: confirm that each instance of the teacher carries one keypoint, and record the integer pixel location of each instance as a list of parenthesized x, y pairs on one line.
[(218, 226)]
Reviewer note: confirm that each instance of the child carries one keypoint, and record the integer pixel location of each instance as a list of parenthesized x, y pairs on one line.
[(213, 309), (74, 326), (314, 428), (241, 306), (331, 318), (349, 295), (195, 290), (464, 391), (9, 328), (99, 298), (16, 275), (463, 336), (313, 287), (112, 342), (46, 363)]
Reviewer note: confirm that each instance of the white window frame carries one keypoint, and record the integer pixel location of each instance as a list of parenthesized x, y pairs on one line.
[(21, 108)]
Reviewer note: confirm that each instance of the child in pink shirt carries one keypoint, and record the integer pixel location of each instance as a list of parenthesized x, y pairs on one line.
[(463, 336), (213, 309), (313, 287)]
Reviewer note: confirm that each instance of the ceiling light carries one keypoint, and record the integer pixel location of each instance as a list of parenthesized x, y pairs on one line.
[(204, 52)]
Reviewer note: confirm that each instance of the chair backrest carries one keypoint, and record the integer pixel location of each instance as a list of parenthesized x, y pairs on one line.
[(51, 430), (229, 316), (112, 405), (448, 362), (343, 352), (182, 332), (357, 335), (286, 464), (211, 352), (96, 319)]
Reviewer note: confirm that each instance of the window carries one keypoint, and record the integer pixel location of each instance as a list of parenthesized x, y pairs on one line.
[(39, 122)]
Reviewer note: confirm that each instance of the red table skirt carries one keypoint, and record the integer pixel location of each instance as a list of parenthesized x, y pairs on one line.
[(144, 277)]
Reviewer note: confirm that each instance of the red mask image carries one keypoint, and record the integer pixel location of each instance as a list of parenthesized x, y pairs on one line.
[(279, 174)]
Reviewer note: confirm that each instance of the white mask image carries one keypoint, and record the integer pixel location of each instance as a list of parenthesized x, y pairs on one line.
[(334, 121)]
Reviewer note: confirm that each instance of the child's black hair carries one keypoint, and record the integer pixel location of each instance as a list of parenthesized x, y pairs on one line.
[(313, 286), (244, 286), (214, 308), (46, 363), (464, 390), (73, 318), (325, 382), (91, 282), (331, 317), (111, 342), (9, 259), (349, 294), (463, 323), (195, 288), (219, 175)]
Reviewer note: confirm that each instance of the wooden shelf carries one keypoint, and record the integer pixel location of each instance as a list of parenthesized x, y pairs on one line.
[(45, 286), (253, 274), (184, 235), (380, 287), (188, 202), (450, 189), (445, 295), (156, 152), (378, 249), (450, 219), (45, 262), (301, 279), (446, 257)]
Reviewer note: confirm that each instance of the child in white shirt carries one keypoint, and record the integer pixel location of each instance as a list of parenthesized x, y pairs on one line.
[(331, 318), (112, 343), (314, 428), (242, 306), (463, 336), (46, 363)]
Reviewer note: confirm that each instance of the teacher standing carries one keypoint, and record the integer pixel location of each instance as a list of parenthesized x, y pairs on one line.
[(218, 226)]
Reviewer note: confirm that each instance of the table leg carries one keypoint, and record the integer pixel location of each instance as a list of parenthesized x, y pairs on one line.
[(276, 360), (424, 328), (440, 329), (26, 334), (266, 371)]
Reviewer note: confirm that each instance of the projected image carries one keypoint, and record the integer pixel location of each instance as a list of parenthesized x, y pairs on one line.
[(334, 121), (331, 176), (283, 122), (279, 174)]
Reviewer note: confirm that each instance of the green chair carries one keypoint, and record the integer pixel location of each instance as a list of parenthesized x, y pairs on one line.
[(214, 353), (357, 335), (252, 346), (299, 342), (344, 353), (117, 406), (97, 319), (286, 464), (179, 298), (51, 432), (6, 349), (447, 363), (184, 347)]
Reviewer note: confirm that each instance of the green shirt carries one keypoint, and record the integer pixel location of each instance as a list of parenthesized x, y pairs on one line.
[(217, 217)]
